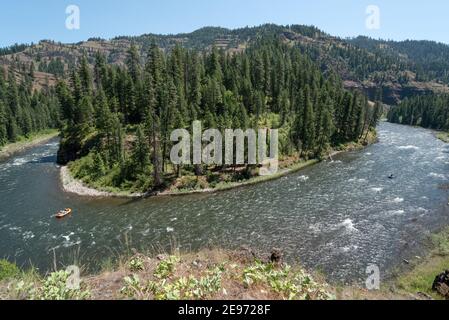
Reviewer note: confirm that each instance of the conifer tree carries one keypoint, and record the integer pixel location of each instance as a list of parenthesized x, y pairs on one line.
[(141, 150)]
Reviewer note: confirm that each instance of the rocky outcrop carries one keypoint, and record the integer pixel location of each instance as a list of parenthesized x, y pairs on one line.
[(441, 284), (276, 256)]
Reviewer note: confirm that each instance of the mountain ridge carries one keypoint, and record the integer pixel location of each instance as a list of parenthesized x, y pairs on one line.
[(399, 68)]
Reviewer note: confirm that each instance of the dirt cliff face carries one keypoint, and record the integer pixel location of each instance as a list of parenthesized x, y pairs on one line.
[(393, 93)]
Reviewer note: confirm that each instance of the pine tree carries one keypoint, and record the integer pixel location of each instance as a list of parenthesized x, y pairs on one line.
[(100, 71), (154, 85), (284, 106), (326, 127), (141, 151), (27, 124), (66, 102), (99, 165), (214, 66), (3, 125), (133, 63), (118, 149), (85, 77), (308, 129), (32, 67), (77, 90), (270, 84)]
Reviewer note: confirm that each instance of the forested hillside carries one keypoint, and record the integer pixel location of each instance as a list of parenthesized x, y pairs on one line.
[(118, 119), (23, 110), (117, 100), (428, 59), (400, 69), (430, 111)]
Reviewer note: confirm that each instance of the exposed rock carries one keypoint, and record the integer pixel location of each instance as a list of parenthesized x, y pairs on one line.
[(197, 264), (162, 257), (441, 284), (276, 256)]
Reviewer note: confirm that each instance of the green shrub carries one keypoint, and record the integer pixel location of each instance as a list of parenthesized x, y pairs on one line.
[(289, 284), (187, 288), (136, 264), (132, 287), (192, 183), (55, 287), (8, 270), (165, 268), (441, 242)]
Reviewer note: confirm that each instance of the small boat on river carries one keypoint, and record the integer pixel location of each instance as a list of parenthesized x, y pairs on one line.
[(63, 213)]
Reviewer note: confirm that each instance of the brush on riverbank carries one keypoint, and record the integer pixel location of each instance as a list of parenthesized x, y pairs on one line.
[(205, 275), (219, 274), (188, 185), (209, 274)]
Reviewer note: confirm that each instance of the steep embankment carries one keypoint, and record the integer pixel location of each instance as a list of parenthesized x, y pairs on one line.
[(217, 274)]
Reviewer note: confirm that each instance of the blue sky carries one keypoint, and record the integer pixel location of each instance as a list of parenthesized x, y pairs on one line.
[(25, 21)]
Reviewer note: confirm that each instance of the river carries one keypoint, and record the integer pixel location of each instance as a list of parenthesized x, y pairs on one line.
[(337, 217)]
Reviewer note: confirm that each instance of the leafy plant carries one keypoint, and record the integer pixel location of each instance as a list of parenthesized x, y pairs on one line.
[(290, 285), (188, 288), (132, 287), (166, 267), (136, 264), (8, 270), (55, 288)]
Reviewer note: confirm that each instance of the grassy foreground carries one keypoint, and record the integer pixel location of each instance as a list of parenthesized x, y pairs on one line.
[(209, 274), (217, 274), (421, 278), (27, 142)]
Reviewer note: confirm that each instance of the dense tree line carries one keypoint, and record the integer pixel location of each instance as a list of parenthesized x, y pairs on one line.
[(23, 110), (354, 62), (13, 49), (428, 111), (122, 117), (54, 66), (361, 58), (429, 60)]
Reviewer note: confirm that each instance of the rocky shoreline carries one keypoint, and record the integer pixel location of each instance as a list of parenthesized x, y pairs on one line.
[(74, 186)]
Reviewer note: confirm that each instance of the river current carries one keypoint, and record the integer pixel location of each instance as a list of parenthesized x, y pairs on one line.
[(337, 217)]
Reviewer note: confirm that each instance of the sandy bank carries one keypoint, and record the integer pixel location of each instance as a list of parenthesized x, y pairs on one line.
[(72, 185)]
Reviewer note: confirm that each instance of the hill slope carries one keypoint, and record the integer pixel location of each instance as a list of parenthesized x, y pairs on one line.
[(401, 69)]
